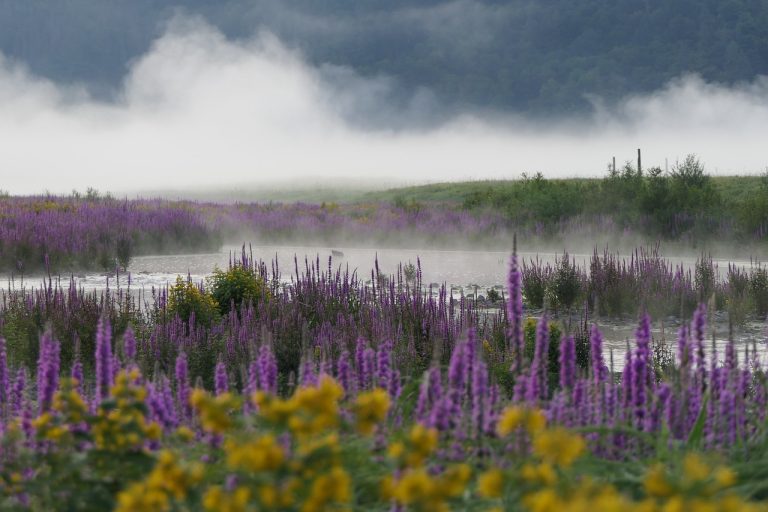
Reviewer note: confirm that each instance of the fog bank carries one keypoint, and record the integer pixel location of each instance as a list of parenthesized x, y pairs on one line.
[(200, 110)]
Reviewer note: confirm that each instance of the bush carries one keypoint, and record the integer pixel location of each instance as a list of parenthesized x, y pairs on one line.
[(758, 284), (235, 286), (565, 285), (535, 280), (185, 298), (555, 333)]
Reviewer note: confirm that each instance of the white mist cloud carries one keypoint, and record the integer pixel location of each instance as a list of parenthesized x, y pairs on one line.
[(199, 110)]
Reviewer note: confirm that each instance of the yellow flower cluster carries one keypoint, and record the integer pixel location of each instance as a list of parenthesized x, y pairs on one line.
[(418, 490), (698, 486), (309, 411), (261, 454), (215, 412), (68, 402), (167, 482), (515, 417), (416, 448), (304, 472), (69, 409), (120, 423), (414, 487), (216, 499), (371, 409)]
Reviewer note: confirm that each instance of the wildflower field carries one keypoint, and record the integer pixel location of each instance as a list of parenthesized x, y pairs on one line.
[(327, 393)]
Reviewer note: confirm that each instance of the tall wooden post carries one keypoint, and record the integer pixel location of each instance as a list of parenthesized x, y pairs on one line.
[(639, 163)]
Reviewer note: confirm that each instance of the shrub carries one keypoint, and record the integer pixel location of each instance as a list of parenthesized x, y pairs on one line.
[(240, 284), (535, 279), (555, 333), (185, 298), (565, 285), (758, 284)]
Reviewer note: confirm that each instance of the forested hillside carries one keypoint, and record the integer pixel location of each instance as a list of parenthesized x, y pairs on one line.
[(538, 57)]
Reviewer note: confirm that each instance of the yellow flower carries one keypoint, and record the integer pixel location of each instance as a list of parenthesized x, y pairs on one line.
[(454, 480), (516, 416), (535, 421), (262, 454), (491, 483), (724, 477), (185, 433), (396, 450), (511, 418), (656, 483), (217, 500), (540, 473), (414, 486), (387, 488), (215, 412), (422, 442), (694, 468), (370, 409), (545, 500), (332, 488), (558, 446)]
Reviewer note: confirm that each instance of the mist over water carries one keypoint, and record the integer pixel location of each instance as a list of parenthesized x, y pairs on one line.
[(200, 110)]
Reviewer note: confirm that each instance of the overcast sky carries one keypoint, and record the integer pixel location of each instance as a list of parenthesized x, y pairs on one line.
[(198, 110)]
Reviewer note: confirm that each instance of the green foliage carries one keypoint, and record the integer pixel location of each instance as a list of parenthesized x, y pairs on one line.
[(758, 283), (236, 286), (555, 333), (185, 299), (566, 284)]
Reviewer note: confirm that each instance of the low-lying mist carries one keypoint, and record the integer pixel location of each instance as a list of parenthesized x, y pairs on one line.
[(199, 110)]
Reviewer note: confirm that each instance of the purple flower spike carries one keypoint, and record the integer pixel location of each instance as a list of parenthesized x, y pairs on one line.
[(221, 381), (567, 362), (104, 360), (515, 311), (537, 386)]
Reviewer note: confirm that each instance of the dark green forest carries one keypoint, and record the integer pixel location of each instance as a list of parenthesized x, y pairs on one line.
[(545, 57)]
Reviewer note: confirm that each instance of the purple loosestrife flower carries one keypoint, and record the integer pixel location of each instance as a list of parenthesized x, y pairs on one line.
[(626, 380), (17, 394), (4, 379), (599, 371), (440, 416), (48, 371), (104, 359), (366, 376), (182, 386), (267, 370), (431, 392), (383, 365), (253, 377), (343, 372), (360, 348), (643, 337), (567, 362), (221, 381), (663, 394), (699, 333), (394, 385), (515, 312), (683, 348), (537, 387), (479, 395), (638, 387), (76, 372), (129, 345), (308, 375)]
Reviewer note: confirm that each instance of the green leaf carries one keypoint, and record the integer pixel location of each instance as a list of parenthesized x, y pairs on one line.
[(697, 433)]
